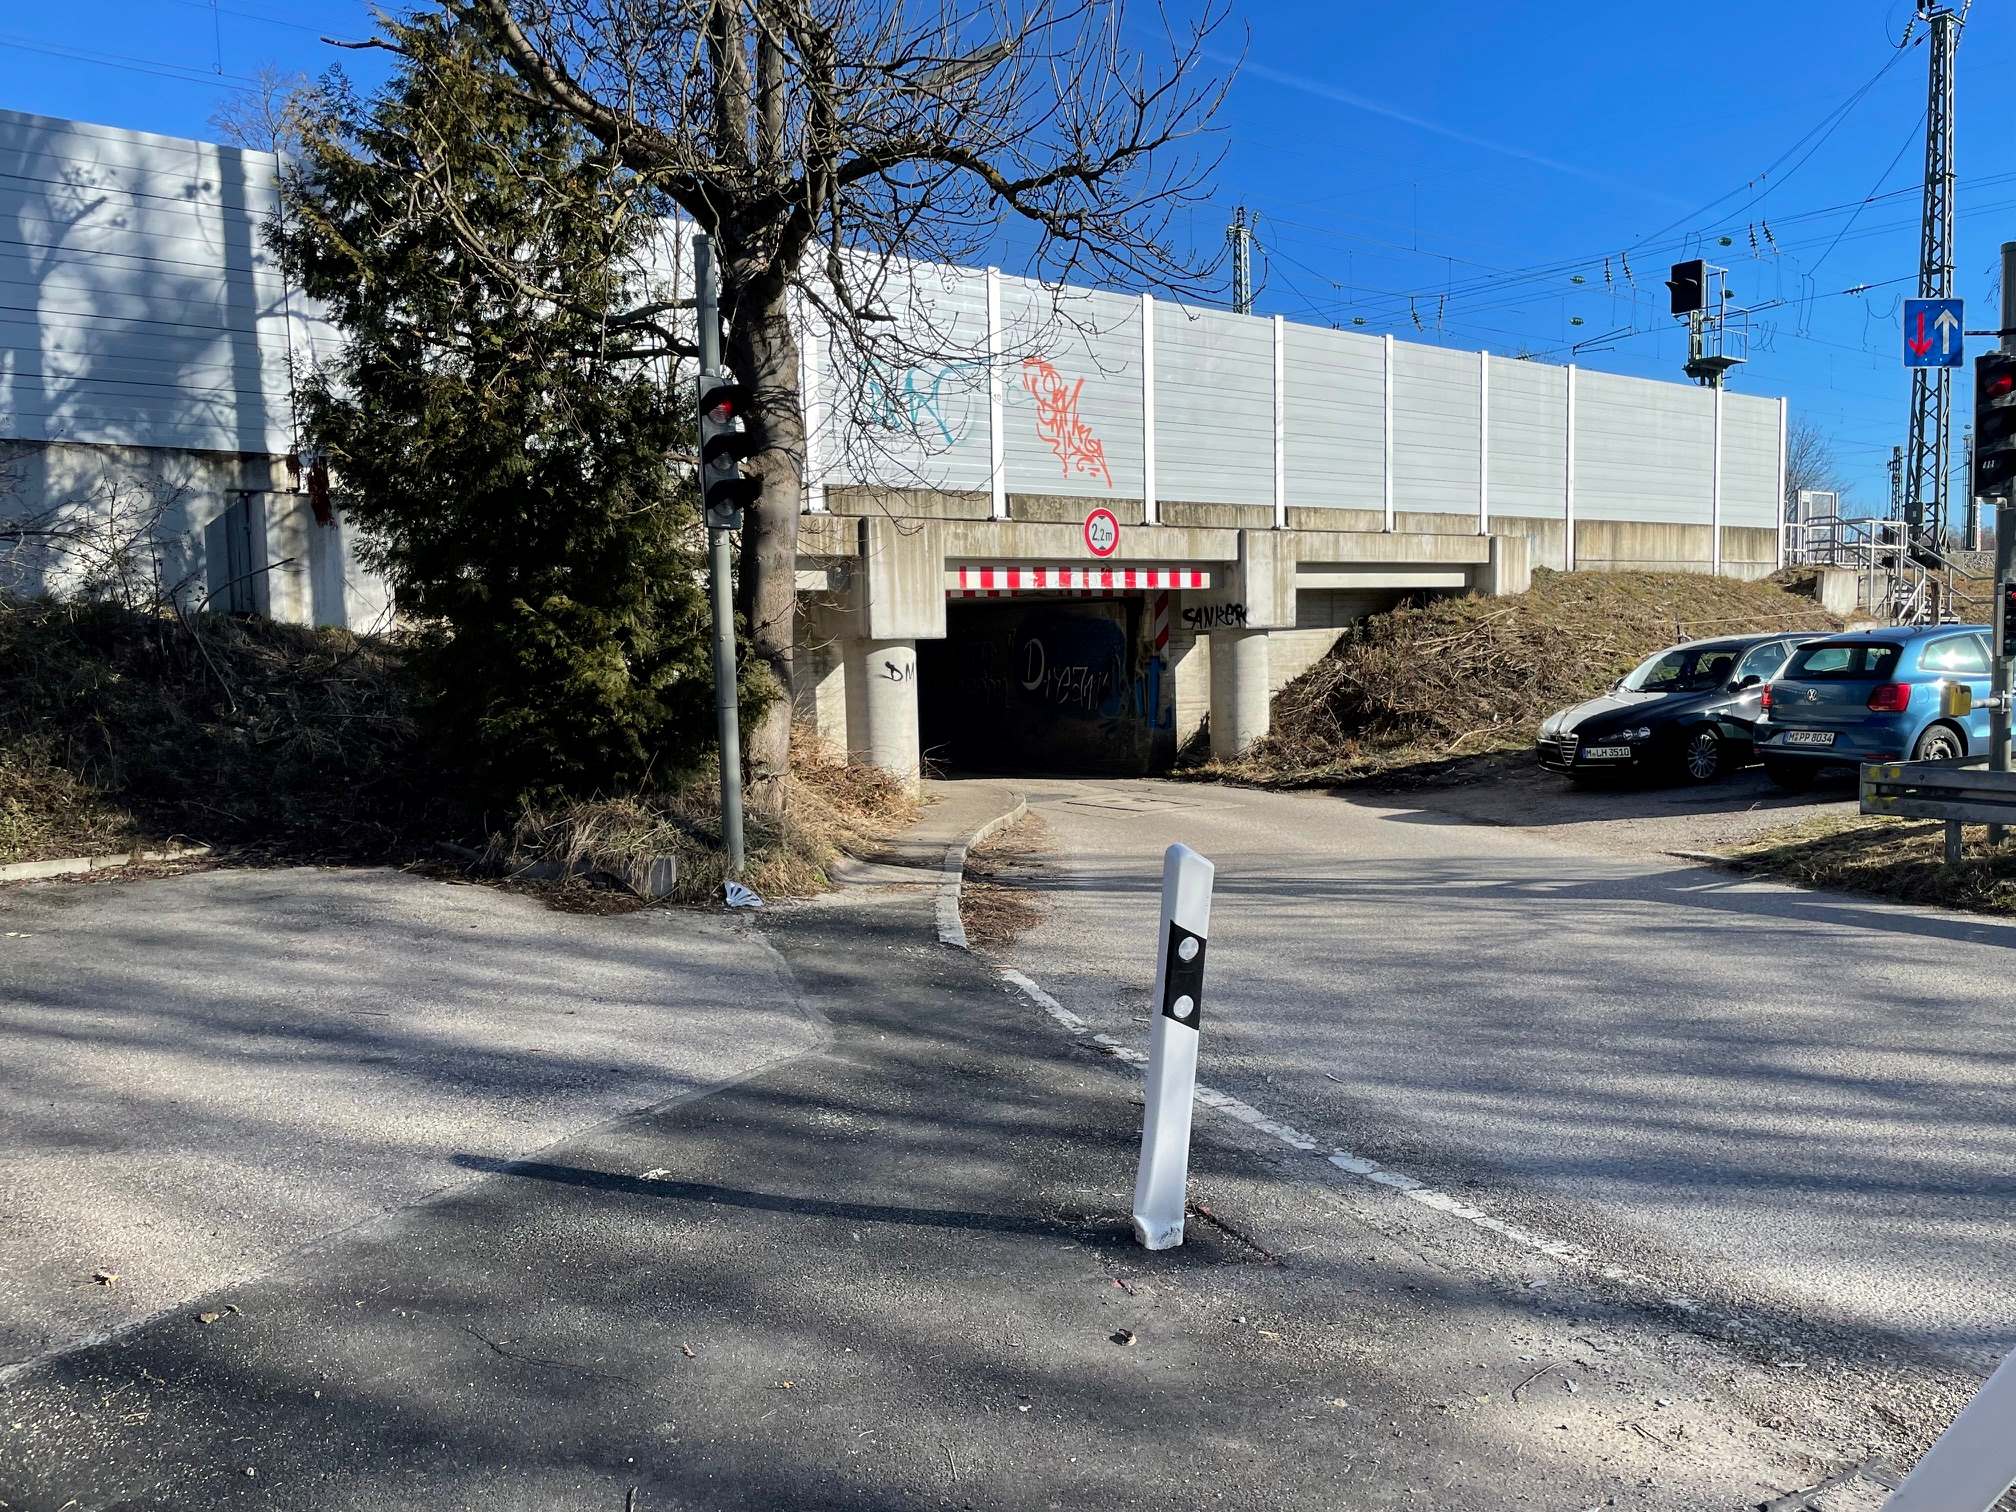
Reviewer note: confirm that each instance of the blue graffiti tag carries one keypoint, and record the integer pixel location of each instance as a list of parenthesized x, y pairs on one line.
[(917, 396)]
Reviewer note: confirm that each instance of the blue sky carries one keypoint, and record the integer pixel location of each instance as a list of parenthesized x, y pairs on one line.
[(1477, 173)]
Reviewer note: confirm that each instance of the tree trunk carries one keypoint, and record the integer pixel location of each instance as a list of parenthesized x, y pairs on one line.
[(762, 350)]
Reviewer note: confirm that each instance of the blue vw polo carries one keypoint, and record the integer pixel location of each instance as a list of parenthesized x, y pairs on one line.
[(1873, 695)]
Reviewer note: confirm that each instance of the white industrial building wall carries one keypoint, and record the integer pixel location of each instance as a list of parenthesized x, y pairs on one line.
[(1072, 392), (1749, 461), (1643, 450), (139, 307), (1436, 414), (915, 413)]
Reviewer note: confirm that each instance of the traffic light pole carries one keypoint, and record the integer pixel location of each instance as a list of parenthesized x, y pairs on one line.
[(727, 713), (2005, 584), (2005, 568)]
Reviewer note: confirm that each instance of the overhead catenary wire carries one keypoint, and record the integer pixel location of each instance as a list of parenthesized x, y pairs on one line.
[(1814, 138)]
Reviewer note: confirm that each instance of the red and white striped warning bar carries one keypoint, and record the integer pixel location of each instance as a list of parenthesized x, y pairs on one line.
[(998, 582)]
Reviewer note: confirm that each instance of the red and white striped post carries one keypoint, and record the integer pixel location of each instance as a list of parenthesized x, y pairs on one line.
[(1158, 623), (1161, 1186)]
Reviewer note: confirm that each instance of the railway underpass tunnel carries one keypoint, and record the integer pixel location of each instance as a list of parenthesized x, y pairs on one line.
[(929, 645)]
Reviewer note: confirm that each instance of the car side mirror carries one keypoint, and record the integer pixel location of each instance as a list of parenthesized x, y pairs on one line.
[(1749, 682)]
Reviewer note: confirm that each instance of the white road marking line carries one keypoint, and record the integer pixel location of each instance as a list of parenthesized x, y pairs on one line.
[(1353, 1165), (952, 932)]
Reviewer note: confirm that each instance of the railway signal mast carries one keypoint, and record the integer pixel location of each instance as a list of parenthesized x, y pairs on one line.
[(1928, 463)]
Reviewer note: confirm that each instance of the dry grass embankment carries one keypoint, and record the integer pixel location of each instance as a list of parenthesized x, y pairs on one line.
[(1445, 688), (120, 728), (1902, 860), (832, 807), (278, 743)]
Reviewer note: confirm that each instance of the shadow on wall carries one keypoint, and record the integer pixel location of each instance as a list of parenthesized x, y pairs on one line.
[(147, 343)]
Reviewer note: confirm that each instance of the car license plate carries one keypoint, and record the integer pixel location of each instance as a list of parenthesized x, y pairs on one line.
[(1606, 753), (1809, 737)]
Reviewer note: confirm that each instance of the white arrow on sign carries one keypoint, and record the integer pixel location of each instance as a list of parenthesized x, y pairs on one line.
[(1946, 325)]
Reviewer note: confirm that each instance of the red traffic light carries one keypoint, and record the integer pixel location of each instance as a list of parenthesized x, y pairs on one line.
[(723, 403)]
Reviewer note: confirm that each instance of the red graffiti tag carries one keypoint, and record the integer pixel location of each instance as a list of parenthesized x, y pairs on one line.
[(1057, 420)]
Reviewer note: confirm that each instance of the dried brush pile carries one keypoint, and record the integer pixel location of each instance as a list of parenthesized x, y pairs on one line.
[(833, 807), (1462, 677), (118, 726)]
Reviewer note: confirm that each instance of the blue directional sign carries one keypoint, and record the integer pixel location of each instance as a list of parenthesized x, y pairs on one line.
[(1933, 333)]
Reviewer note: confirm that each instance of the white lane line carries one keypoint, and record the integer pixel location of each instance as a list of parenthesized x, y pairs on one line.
[(1303, 1143), (952, 932)]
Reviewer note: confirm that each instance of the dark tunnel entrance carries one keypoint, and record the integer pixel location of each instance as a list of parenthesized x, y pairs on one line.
[(1046, 683)]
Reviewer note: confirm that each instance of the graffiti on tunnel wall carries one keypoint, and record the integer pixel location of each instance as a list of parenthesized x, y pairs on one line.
[(1065, 687)]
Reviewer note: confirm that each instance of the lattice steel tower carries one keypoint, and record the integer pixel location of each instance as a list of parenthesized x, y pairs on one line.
[(1240, 235), (1928, 460)]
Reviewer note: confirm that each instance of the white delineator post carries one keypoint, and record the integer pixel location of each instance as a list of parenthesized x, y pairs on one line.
[(1161, 1186), (1973, 1463)]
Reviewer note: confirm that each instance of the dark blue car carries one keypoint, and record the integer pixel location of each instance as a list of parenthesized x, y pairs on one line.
[(1873, 695)]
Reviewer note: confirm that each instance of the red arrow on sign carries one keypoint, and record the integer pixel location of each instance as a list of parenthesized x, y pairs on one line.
[(1921, 344)]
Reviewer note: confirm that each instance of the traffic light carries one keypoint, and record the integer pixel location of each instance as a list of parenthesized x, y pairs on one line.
[(2009, 619), (1689, 284), (723, 446), (1994, 421)]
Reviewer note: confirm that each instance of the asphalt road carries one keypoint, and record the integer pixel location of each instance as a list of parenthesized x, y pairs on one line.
[(1789, 1109), (203, 1077), (893, 1273)]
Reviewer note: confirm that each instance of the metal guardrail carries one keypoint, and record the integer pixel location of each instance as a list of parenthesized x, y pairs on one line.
[(1959, 791)]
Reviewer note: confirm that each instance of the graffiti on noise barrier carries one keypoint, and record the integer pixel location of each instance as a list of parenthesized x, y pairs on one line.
[(1058, 424), (935, 404)]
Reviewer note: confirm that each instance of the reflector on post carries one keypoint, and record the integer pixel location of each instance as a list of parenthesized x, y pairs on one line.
[(1161, 1186)]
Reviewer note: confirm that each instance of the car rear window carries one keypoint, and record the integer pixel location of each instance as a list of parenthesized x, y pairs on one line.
[(1845, 660)]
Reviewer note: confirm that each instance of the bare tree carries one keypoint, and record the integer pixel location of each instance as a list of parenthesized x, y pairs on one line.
[(1809, 462), (268, 115), (825, 144)]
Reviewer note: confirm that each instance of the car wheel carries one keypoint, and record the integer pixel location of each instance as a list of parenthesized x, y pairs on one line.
[(1790, 776), (1940, 743), (1702, 757)]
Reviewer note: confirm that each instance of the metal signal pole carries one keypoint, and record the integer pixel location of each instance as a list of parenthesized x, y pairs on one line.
[(727, 713), (1240, 235), (1929, 462)]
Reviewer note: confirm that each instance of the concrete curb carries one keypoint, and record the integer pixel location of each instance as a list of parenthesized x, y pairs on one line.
[(950, 930), (72, 866)]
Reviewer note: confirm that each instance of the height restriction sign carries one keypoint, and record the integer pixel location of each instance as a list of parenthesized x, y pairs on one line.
[(1102, 532)]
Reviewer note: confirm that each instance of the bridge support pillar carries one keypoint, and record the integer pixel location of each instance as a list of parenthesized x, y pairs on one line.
[(882, 706), (1242, 700)]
